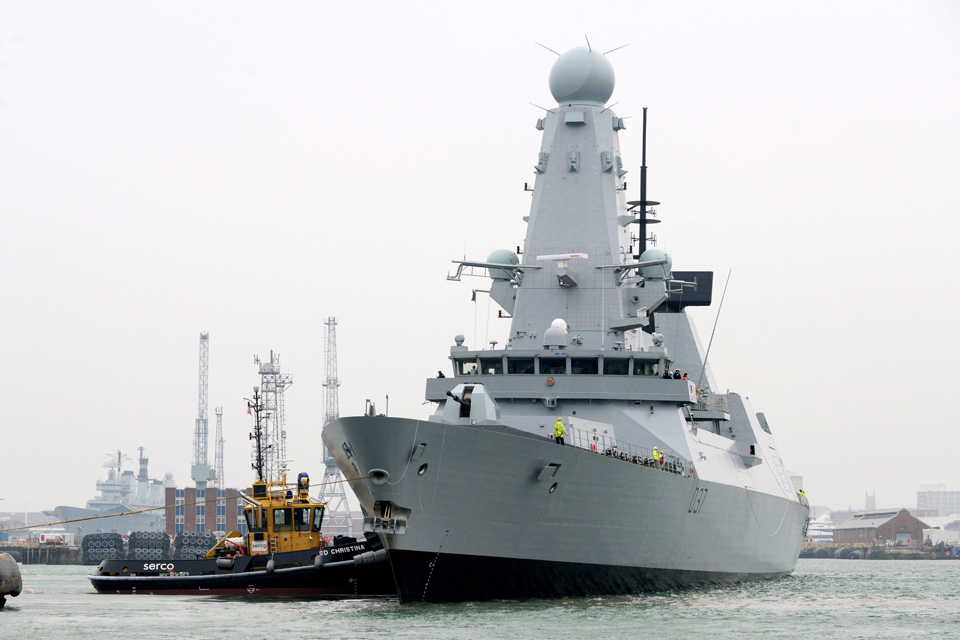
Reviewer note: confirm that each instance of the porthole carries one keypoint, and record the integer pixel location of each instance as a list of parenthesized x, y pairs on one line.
[(553, 487), (422, 470)]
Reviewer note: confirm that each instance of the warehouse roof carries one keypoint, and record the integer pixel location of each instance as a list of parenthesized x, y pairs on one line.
[(868, 519)]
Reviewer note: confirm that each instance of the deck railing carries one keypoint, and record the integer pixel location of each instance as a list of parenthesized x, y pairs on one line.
[(614, 448)]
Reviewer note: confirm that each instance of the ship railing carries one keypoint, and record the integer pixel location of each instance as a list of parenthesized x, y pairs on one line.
[(628, 452)]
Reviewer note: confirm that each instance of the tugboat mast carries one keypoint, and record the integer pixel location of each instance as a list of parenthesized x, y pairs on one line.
[(257, 435)]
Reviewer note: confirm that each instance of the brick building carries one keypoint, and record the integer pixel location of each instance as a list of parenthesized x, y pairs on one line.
[(880, 527), (188, 510)]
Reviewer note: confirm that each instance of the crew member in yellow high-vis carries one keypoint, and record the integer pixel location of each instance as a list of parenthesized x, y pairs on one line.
[(559, 431)]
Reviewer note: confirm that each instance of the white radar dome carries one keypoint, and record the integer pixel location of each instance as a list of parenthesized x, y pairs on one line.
[(656, 272), (554, 337), (502, 256), (582, 75), (560, 323)]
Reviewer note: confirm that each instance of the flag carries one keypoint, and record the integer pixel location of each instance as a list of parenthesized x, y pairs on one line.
[(249, 410), (474, 298)]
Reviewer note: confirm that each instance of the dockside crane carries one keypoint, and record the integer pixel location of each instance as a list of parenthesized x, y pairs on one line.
[(201, 471), (332, 492)]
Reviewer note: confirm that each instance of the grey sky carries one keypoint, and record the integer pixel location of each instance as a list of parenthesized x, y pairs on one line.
[(248, 169)]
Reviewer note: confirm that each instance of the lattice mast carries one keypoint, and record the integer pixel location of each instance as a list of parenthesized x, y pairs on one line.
[(201, 471), (218, 451), (273, 384), (332, 491), (331, 401)]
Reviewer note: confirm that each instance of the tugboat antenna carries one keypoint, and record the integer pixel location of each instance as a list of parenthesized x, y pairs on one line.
[(257, 435)]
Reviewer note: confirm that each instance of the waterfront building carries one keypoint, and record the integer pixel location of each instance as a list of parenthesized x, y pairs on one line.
[(193, 509), (880, 527), (935, 497)]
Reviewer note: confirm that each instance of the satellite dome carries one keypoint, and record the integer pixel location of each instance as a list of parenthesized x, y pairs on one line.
[(656, 272), (168, 475), (554, 337), (582, 75), (502, 256), (560, 323)]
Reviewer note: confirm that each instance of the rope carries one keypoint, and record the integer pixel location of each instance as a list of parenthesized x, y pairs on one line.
[(172, 506), (409, 459)]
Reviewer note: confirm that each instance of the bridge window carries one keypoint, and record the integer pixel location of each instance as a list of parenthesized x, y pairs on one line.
[(616, 366), (520, 366), (583, 366), (466, 367), (553, 366), (301, 518), (317, 518), (282, 520), (645, 367), (491, 366)]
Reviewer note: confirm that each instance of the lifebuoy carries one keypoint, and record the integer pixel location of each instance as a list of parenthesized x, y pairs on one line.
[(549, 382), (593, 447)]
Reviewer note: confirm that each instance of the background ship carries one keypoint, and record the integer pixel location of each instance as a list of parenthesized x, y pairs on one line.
[(121, 492), (668, 482)]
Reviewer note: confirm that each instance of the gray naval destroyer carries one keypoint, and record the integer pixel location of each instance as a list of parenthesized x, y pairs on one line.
[(661, 483)]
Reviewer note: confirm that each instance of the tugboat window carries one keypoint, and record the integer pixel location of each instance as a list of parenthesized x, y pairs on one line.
[(491, 366), (467, 367), (282, 520), (250, 518), (301, 518), (584, 366), (616, 366), (553, 366), (317, 518), (520, 366)]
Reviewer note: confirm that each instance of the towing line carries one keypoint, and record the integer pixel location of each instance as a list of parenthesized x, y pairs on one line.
[(130, 513)]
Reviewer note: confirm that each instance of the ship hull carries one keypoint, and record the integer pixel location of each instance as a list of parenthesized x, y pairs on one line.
[(461, 578), (500, 513)]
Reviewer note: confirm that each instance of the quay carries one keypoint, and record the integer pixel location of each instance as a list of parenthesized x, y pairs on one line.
[(35, 553), (868, 552)]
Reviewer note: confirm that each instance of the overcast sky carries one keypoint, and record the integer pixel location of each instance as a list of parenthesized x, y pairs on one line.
[(248, 169)]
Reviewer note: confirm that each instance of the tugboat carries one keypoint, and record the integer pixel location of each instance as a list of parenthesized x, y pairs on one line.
[(283, 553)]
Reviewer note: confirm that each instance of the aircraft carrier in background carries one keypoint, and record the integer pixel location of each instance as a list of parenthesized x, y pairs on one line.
[(121, 492), (661, 483)]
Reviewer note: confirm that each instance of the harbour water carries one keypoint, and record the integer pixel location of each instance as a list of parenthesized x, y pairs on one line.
[(823, 599)]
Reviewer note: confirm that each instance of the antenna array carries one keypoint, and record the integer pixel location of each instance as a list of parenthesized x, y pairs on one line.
[(273, 384)]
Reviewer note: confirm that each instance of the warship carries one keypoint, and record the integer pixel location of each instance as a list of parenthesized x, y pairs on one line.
[(121, 492), (659, 481)]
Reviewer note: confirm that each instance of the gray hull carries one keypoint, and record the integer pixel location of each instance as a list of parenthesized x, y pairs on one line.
[(481, 521), (120, 524)]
